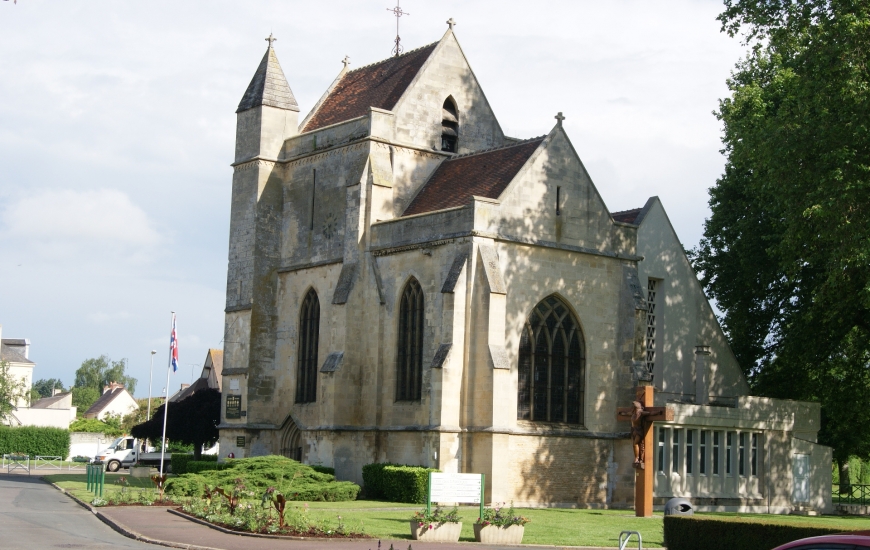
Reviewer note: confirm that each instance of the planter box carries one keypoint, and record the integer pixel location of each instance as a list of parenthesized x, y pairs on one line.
[(140, 471), (493, 534), (440, 532)]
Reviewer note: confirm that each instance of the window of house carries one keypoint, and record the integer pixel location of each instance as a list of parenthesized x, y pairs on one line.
[(409, 376), (741, 453), (729, 451), (702, 455), (551, 366), (690, 451), (717, 436), (309, 333), (661, 451), (754, 459), (675, 451), (449, 126)]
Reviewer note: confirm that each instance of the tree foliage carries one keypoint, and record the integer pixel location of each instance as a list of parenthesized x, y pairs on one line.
[(44, 387), (12, 390), (786, 250), (193, 420), (83, 398), (99, 372)]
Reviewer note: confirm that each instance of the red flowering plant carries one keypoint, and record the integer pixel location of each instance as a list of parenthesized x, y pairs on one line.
[(500, 516), (436, 516)]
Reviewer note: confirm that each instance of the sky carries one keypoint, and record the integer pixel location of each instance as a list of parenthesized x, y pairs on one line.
[(117, 129)]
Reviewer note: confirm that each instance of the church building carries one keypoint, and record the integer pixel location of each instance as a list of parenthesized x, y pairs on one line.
[(407, 284)]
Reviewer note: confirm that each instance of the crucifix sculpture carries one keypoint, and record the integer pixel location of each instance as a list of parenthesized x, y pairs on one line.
[(642, 414)]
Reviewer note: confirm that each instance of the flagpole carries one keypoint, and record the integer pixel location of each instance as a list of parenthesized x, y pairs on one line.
[(166, 401)]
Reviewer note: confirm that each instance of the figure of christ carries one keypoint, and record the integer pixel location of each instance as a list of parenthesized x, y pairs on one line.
[(637, 431)]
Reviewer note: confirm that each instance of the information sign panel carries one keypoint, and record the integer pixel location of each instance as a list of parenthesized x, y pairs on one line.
[(462, 488), (234, 406)]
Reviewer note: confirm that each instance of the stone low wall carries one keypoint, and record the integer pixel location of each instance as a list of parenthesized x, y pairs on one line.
[(87, 443)]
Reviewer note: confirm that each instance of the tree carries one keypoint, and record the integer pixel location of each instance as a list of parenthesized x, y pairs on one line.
[(100, 372), (786, 251), (12, 390), (45, 387), (83, 398), (192, 421)]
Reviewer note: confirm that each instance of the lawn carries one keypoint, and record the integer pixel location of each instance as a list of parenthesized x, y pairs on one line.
[(551, 526)]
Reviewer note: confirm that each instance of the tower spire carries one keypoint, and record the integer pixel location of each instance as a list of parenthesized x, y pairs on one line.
[(269, 85)]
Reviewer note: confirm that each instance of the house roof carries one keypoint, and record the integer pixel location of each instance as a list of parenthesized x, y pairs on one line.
[(378, 85), (269, 86), (12, 350), (626, 216), (104, 400), (47, 402), (484, 174), (214, 364)]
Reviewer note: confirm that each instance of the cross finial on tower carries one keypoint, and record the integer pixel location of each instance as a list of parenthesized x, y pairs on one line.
[(559, 118), (397, 11), (271, 39), (451, 23), (346, 61)]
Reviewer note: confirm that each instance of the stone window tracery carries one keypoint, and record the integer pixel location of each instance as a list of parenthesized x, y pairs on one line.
[(449, 126), (409, 375), (552, 366), (309, 333)]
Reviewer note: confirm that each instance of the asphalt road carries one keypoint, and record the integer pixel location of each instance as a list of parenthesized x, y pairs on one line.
[(34, 515)]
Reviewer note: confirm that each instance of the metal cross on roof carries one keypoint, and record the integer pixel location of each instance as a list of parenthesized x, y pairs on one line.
[(271, 39), (397, 11)]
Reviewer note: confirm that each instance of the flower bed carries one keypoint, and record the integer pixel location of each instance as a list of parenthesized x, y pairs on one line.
[(500, 525), (436, 525)]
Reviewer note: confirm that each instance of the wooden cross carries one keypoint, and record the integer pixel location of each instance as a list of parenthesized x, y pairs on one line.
[(643, 486)]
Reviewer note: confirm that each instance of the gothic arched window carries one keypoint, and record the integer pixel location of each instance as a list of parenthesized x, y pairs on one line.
[(309, 332), (409, 371), (552, 366), (449, 126)]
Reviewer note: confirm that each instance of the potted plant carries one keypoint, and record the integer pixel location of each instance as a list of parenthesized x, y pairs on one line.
[(500, 525), (436, 525)]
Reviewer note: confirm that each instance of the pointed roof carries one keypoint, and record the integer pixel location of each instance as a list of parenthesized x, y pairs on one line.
[(484, 174), (269, 86), (378, 85), (626, 216)]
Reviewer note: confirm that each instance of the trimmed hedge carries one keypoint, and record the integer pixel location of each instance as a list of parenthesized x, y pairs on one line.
[(396, 482), (736, 533), (323, 469), (180, 461), (198, 466), (34, 440), (294, 480)]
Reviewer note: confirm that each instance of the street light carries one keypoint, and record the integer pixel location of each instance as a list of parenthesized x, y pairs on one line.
[(150, 380)]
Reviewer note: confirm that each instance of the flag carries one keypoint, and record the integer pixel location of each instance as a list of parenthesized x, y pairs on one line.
[(173, 346)]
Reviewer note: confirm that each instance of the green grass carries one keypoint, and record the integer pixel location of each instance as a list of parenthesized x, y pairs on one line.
[(552, 526)]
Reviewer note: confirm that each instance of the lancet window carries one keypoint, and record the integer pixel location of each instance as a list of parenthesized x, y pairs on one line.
[(552, 364), (449, 126), (409, 375), (309, 333)]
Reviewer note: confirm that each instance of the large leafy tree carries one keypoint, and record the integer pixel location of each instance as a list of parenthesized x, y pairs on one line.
[(44, 387), (192, 421), (99, 372), (12, 391), (786, 252)]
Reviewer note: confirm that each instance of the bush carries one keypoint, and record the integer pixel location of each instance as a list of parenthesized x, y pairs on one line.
[(199, 466), (323, 469), (396, 482), (294, 480), (34, 440), (92, 425), (179, 462), (722, 533)]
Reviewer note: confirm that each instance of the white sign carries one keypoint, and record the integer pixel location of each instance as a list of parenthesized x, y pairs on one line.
[(464, 488)]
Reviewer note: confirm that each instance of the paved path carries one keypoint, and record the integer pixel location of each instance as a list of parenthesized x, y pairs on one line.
[(35, 515)]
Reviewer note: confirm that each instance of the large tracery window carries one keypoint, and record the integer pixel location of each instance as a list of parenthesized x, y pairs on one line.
[(552, 366), (409, 375), (309, 332)]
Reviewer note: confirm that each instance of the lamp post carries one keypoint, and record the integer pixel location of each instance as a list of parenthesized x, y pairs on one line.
[(150, 381)]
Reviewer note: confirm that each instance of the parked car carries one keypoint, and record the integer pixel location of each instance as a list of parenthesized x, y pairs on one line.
[(857, 540)]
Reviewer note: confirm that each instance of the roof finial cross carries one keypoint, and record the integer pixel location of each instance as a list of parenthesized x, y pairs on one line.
[(346, 61), (559, 118), (451, 23), (271, 39), (397, 11)]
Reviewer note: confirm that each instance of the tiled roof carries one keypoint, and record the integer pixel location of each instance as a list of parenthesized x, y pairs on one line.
[(47, 402), (484, 174), (104, 400), (626, 216), (13, 353), (377, 85), (268, 87)]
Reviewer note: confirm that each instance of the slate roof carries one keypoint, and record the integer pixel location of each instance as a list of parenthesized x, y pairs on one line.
[(47, 402), (268, 87), (104, 400), (13, 351), (378, 85), (484, 174), (626, 216), (212, 380)]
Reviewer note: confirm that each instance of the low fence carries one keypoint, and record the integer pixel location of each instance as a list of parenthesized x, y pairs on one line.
[(11, 463), (854, 494)]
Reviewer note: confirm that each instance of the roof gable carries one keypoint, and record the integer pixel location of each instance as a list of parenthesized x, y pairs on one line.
[(378, 85), (483, 174), (269, 86), (107, 397)]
